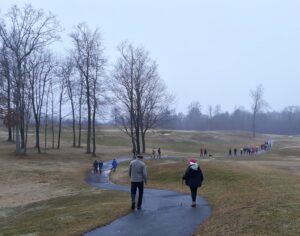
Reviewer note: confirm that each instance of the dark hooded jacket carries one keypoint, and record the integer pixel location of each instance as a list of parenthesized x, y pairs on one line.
[(193, 176)]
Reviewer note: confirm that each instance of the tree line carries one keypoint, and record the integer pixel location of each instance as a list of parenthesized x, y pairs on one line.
[(40, 88), (212, 118)]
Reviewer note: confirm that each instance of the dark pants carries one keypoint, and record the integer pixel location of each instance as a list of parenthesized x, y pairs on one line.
[(140, 186), (194, 193)]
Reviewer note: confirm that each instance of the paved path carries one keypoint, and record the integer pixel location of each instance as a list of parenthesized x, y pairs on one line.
[(163, 212)]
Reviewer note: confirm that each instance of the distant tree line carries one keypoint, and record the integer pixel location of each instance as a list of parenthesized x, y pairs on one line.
[(41, 88), (284, 122)]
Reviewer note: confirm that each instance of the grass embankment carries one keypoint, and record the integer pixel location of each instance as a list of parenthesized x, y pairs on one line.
[(248, 197), (46, 194), (66, 215)]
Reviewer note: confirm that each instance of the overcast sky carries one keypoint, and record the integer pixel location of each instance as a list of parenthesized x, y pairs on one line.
[(209, 51)]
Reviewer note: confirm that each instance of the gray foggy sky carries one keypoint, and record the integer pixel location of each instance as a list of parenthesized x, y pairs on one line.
[(211, 51)]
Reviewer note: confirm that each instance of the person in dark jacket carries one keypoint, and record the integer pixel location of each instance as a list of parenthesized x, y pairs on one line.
[(100, 166), (193, 178), (95, 164)]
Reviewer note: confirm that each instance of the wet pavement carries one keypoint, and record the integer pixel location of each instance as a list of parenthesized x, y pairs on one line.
[(163, 212)]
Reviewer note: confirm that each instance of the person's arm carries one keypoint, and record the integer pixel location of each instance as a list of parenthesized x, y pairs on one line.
[(145, 174), (186, 174), (201, 173), (129, 171)]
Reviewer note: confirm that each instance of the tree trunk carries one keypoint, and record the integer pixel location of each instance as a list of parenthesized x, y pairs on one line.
[(73, 124), (37, 133), (94, 131), (254, 124), (18, 110), (88, 140), (79, 127), (52, 118), (46, 125), (60, 119), (79, 118), (8, 105), (144, 141)]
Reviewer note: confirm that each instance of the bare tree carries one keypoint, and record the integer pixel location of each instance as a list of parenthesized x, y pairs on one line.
[(67, 74), (155, 101), (80, 105), (52, 114), (141, 95), (40, 66), (24, 31), (194, 116), (258, 104), (61, 94), (6, 89), (89, 59), (46, 116), (98, 93), (122, 85)]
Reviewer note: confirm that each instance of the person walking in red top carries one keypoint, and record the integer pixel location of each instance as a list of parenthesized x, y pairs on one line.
[(201, 152)]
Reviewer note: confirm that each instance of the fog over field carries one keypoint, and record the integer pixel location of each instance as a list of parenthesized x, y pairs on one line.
[(211, 52)]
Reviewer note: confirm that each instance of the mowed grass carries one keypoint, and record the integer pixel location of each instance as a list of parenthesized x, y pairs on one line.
[(46, 194), (67, 215), (249, 195)]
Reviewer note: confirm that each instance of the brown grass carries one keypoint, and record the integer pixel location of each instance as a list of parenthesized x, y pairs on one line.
[(45, 194), (249, 196)]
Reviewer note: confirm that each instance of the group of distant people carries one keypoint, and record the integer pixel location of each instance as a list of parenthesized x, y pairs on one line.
[(248, 151), (98, 166), (203, 152), (155, 154)]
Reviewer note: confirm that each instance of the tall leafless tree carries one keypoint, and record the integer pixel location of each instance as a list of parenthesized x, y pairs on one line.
[(88, 55), (98, 94), (61, 84), (141, 95), (46, 116), (52, 114), (80, 106), (40, 66), (70, 82), (24, 31), (6, 89), (258, 104)]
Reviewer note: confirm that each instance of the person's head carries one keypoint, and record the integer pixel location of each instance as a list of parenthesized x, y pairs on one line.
[(193, 164)]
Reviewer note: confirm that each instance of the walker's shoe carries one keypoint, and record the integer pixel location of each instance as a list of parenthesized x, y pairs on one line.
[(193, 204), (133, 206), (139, 208)]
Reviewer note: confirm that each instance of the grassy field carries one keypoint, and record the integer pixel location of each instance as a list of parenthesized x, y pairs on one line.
[(46, 194)]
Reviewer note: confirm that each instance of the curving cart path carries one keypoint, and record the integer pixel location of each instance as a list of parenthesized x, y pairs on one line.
[(163, 212)]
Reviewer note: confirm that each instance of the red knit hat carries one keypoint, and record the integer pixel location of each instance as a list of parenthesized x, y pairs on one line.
[(193, 161)]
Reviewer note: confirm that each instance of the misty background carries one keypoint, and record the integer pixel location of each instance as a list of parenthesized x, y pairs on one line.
[(212, 52), (211, 55)]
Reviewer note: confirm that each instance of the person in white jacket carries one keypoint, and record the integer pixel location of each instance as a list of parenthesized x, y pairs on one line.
[(138, 176)]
